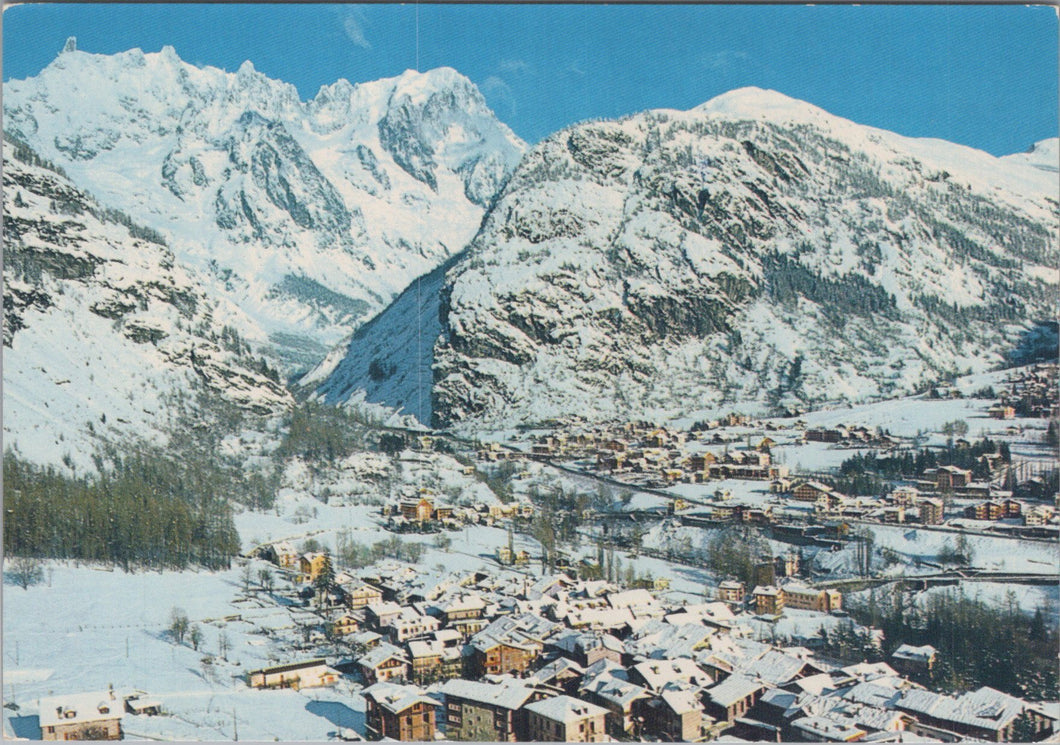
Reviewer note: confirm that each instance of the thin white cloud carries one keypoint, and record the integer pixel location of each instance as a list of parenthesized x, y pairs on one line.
[(496, 90), (351, 24), (514, 65), (726, 59)]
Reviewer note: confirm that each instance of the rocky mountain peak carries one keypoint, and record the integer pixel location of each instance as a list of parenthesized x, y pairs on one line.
[(755, 248)]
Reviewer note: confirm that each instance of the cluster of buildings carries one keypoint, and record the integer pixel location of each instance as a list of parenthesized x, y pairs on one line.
[(422, 509), (556, 659), (668, 465), (851, 436), (1029, 392)]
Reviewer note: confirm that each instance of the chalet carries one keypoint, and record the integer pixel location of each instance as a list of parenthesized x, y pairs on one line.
[(285, 555), (811, 491), (657, 675), (562, 675), (507, 557), (1012, 508), (825, 435), (141, 705), (398, 712), (565, 719), (701, 462), (986, 714), (410, 624), (362, 595), (431, 659), (780, 486), (787, 565), (491, 656), (1001, 411), (807, 598), (297, 675), (487, 712), (380, 615), (1039, 514), (827, 729), (951, 478), (510, 644), (585, 648), (931, 511), (82, 716), (346, 624), (462, 612), (383, 663), (769, 600), (731, 591), (312, 564), (994, 510), (418, 509), (910, 660), (904, 495), (734, 696), (675, 715), (621, 699)]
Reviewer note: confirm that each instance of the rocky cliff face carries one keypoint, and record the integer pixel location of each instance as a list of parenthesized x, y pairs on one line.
[(103, 331), (753, 249), (311, 216)]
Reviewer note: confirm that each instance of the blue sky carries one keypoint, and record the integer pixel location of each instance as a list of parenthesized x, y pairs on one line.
[(982, 76)]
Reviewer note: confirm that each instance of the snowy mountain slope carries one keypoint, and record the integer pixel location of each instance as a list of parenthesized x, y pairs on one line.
[(389, 358), (754, 248), (102, 329), (1044, 155), (310, 216)]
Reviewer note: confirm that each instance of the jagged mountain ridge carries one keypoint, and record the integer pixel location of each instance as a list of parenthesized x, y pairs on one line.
[(103, 330), (755, 248), (311, 216)]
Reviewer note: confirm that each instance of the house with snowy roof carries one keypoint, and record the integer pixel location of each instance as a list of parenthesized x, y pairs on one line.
[(410, 624), (585, 648), (639, 601), (602, 686), (508, 644), (478, 711), (384, 662), (655, 675), (826, 729), (675, 714), (618, 620), (912, 660), (769, 600), (399, 712), (734, 696), (566, 719), (306, 674), (658, 640), (82, 716), (379, 615), (431, 659), (987, 714), (561, 674)]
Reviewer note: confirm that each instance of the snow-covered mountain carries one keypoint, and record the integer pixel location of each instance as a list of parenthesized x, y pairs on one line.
[(755, 248), (1044, 155), (103, 330), (310, 216)]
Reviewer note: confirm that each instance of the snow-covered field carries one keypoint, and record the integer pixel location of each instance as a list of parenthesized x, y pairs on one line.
[(988, 552), (85, 629)]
